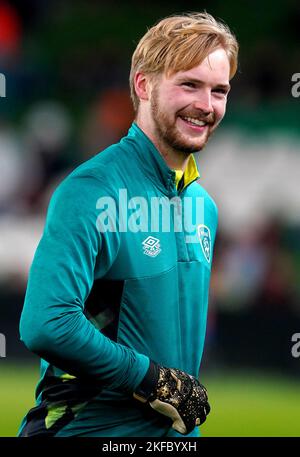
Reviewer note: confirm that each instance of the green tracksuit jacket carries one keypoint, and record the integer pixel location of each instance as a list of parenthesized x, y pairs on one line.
[(112, 285)]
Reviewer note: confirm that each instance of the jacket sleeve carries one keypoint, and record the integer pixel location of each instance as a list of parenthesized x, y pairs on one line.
[(53, 324)]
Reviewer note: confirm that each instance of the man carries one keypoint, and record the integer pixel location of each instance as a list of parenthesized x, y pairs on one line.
[(116, 303)]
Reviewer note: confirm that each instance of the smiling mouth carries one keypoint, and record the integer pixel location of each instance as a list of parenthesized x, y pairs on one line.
[(194, 121)]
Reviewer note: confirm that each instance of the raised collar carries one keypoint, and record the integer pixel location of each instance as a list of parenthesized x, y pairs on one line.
[(154, 165)]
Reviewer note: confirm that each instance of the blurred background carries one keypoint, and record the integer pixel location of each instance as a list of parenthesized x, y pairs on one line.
[(66, 65)]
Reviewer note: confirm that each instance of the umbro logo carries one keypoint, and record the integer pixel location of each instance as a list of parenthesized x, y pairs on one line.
[(151, 246)]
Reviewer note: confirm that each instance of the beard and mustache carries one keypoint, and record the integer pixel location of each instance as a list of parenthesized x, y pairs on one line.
[(168, 134)]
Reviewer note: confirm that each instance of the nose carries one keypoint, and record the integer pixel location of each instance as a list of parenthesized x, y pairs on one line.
[(203, 102)]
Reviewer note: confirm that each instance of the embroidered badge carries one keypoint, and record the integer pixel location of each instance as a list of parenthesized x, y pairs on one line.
[(205, 241)]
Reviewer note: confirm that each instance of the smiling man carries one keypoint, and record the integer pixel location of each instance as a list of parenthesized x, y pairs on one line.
[(118, 316), (186, 107)]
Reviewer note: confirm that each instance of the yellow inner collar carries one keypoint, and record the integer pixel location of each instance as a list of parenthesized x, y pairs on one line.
[(190, 174)]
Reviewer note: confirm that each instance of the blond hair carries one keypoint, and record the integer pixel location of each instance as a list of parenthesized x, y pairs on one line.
[(181, 42)]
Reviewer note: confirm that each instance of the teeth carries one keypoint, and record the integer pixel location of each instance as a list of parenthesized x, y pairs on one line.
[(195, 121)]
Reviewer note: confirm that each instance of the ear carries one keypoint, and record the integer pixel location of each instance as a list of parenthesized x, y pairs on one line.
[(142, 86)]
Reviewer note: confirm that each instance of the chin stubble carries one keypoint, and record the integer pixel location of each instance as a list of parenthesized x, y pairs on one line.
[(168, 134)]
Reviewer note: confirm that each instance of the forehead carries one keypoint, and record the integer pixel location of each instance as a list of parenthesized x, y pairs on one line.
[(215, 68)]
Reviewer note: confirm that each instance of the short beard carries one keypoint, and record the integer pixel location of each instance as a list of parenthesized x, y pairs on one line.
[(167, 133)]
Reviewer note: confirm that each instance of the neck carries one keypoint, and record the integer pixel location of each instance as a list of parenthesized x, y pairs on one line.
[(176, 160)]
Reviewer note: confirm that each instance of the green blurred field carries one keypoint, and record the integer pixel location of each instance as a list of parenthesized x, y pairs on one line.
[(242, 404)]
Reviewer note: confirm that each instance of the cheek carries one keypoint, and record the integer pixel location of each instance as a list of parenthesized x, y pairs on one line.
[(175, 99), (220, 109)]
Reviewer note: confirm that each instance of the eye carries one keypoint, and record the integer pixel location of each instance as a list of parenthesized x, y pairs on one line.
[(188, 84), (220, 90)]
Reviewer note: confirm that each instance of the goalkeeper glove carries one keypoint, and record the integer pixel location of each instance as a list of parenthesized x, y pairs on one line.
[(175, 394)]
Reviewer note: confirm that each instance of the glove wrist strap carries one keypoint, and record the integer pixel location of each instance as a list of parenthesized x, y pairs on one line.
[(146, 390)]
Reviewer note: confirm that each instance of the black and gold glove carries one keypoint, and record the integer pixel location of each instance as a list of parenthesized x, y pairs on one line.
[(175, 394)]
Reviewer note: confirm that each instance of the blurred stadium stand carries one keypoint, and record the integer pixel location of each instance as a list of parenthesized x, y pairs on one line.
[(67, 65)]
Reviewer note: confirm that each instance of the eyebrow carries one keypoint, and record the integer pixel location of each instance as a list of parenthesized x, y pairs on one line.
[(198, 81)]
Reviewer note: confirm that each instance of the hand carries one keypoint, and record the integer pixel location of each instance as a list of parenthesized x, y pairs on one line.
[(175, 394)]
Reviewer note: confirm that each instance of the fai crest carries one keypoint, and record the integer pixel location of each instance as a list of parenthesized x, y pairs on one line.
[(151, 246), (205, 241)]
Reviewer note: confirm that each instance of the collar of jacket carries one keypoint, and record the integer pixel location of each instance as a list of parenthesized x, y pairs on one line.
[(154, 165)]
